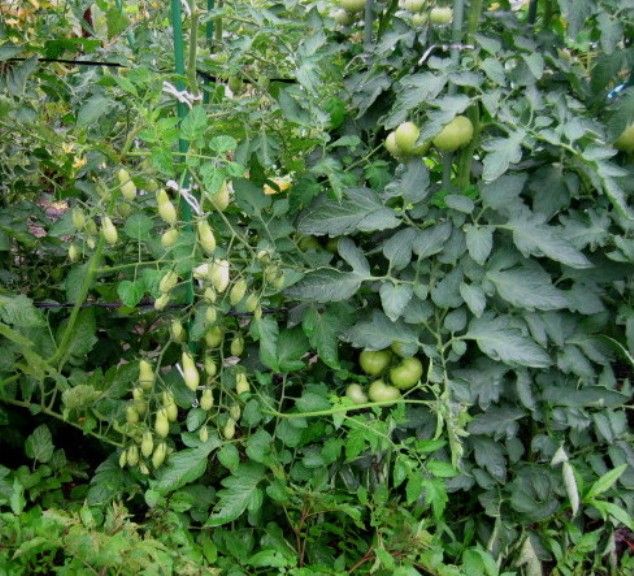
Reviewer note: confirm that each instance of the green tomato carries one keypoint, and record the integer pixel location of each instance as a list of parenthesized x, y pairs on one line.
[(414, 5), (340, 16), (406, 136), (454, 135), (379, 391), (213, 337), (352, 6), (441, 16), (356, 394), (407, 373), (625, 141), (391, 146), (306, 243), (373, 363), (419, 19)]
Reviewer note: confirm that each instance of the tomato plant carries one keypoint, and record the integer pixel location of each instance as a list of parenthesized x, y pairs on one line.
[(316, 288)]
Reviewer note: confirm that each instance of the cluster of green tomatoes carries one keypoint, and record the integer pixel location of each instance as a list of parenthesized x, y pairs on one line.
[(421, 12), (402, 373), (404, 141)]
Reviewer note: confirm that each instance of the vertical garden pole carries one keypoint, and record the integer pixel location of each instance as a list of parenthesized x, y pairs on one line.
[(368, 25), (209, 34), (181, 108), (532, 12), (456, 38)]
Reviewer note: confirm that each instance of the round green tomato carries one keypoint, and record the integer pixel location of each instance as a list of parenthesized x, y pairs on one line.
[(414, 5), (340, 16), (373, 363), (419, 19), (379, 391), (308, 243), (441, 15), (352, 6), (407, 373), (391, 146), (356, 394), (235, 84), (454, 135), (406, 136), (625, 141)]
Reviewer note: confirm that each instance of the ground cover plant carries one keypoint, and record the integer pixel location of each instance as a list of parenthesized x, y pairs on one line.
[(316, 288)]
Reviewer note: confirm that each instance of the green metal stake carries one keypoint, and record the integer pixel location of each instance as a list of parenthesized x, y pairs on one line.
[(181, 109), (209, 33)]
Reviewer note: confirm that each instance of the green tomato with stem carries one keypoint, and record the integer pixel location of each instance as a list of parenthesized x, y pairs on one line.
[(407, 373), (374, 363), (379, 391)]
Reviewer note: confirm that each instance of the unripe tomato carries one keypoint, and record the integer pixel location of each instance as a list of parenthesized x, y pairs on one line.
[(124, 210), (242, 384), (133, 455), (406, 136), (229, 430), (123, 176), (171, 411), (91, 227), (221, 199), (251, 303), (210, 295), (109, 231), (391, 146), (407, 373), (147, 444), (123, 459), (161, 424), (190, 372), (177, 331), (74, 253), (379, 391), (206, 399), (168, 282), (419, 19), (210, 366), (78, 218), (213, 336), (161, 302), (169, 237), (374, 362), (206, 237), (167, 212), (414, 5), (140, 406), (352, 6), (131, 415), (340, 16), (332, 245), (137, 393), (143, 468), (308, 243), (146, 375), (257, 313), (203, 434), (625, 141), (454, 135), (356, 394), (235, 412), (128, 190), (159, 455), (235, 84), (220, 275), (237, 292), (237, 346), (441, 15), (211, 315)]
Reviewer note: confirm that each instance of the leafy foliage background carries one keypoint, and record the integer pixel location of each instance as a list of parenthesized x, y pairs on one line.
[(506, 268)]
